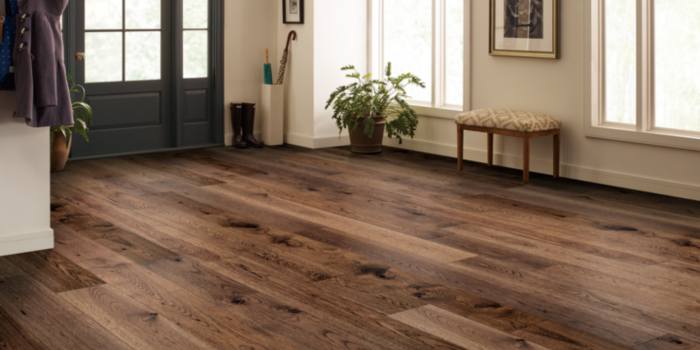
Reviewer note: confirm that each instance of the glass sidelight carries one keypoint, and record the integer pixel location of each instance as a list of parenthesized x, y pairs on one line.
[(195, 39), (122, 40)]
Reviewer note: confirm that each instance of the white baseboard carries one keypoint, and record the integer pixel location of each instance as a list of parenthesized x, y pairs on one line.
[(538, 165), (572, 171), (26, 242), (316, 142)]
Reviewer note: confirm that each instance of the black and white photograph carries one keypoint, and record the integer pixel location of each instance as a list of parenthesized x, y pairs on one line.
[(524, 28), (524, 19), (293, 11), (293, 6)]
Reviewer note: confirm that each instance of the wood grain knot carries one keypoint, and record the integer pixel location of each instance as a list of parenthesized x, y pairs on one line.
[(232, 223), (380, 271), (238, 300), (285, 240), (318, 276), (288, 309), (488, 305), (425, 291), (618, 228)]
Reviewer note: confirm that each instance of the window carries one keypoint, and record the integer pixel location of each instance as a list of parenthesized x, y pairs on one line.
[(125, 46), (195, 39), (424, 37), (646, 77)]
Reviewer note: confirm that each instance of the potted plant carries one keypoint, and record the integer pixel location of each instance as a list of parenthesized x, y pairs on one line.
[(62, 136), (368, 106)]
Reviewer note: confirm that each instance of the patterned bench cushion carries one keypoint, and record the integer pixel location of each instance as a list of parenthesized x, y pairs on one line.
[(508, 119)]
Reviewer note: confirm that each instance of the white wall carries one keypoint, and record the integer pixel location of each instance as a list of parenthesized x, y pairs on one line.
[(340, 39), (334, 35), (299, 82), (25, 184)]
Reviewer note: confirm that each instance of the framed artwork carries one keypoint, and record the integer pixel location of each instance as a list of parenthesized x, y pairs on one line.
[(525, 28), (293, 11)]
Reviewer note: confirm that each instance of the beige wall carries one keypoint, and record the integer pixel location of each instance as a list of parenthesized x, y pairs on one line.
[(250, 28), (335, 34), (24, 185), (560, 88)]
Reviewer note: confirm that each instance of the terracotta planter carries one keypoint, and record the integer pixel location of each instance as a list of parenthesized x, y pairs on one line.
[(60, 151), (363, 144)]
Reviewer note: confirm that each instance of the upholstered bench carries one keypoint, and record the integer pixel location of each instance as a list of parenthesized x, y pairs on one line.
[(524, 125)]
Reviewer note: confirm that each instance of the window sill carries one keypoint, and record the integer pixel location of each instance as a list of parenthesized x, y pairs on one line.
[(438, 113), (653, 138)]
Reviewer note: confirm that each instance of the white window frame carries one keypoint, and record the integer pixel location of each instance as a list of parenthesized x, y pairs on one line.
[(437, 108), (644, 130)]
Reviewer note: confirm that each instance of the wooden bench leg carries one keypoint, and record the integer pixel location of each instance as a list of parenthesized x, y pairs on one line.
[(557, 156), (526, 159), (460, 148), (490, 149)]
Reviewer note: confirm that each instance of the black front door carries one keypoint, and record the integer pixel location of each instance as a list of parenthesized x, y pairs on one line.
[(150, 70)]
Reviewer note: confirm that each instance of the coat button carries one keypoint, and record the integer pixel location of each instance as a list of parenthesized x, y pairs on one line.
[(21, 46), (23, 30), (23, 16)]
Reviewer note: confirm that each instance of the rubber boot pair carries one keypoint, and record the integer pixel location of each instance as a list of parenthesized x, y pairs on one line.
[(243, 121)]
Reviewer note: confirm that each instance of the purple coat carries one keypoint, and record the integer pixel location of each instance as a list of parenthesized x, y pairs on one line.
[(43, 97)]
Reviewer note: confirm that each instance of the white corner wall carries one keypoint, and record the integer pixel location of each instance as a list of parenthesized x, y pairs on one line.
[(334, 35), (340, 39), (299, 81), (25, 222)]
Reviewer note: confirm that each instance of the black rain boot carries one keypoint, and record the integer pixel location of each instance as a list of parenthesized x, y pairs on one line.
[(237, 116), (249, 125)]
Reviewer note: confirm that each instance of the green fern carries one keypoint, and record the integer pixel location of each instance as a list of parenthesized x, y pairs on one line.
[(366, 99), (82, 115)]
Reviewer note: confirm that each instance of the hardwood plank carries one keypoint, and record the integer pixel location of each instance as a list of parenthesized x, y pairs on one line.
[(291, 248), (55, 271), (49, 320), (668, 342), (628, 306), (284, 291), (12, 336), (294, 326), (137, 326), (461, 331), (189, 311)]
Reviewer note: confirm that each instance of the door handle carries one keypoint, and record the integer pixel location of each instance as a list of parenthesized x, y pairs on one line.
[(80, 56)]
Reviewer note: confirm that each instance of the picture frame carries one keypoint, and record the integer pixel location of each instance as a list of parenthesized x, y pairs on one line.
[(293, 11), (524, 28)]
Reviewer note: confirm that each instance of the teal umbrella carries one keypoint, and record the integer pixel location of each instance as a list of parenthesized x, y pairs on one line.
[(267, 68)]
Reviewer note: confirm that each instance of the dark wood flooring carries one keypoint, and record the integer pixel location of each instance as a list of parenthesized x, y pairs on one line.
[(294, 249)]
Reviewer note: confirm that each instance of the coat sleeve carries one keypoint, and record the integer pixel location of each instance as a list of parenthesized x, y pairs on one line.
[(44, 62)]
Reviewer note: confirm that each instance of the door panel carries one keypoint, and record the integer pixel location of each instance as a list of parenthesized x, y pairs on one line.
[(148, 70), (196, 106), (128, 110)]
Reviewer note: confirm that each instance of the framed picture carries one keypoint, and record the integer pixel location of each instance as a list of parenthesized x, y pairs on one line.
[(525, 28), (293, 11)]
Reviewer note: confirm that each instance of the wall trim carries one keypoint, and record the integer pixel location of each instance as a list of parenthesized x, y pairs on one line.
[(316, 142), (572, 171), (26, 242), (299, 140)]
